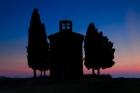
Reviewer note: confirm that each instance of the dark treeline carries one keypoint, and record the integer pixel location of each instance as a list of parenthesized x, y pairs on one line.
[(63, 54)]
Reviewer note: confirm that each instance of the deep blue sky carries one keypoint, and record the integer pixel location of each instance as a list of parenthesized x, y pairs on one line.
[(118, 19), (15, 14)]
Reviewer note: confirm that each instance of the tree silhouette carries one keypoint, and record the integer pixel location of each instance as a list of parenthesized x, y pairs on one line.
[(99, 51), (37, 45)]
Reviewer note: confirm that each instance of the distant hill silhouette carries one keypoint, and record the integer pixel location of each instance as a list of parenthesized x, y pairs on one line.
[(89, 84)]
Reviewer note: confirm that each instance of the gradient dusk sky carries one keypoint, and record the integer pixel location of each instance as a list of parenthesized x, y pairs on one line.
[(119, 20)]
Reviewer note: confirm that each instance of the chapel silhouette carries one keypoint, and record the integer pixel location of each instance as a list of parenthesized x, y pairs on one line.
[(66, 52), (62, 52)]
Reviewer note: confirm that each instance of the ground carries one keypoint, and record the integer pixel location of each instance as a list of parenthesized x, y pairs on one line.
[(83, 85)]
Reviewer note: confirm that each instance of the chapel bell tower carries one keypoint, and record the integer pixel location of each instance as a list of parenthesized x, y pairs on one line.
[(65, 25)]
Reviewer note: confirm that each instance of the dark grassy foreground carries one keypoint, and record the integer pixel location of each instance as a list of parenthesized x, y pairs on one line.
[(84, 85)]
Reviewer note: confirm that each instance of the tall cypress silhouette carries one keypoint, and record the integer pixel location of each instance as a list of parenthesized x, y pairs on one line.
[(37, 45), (99, 51)]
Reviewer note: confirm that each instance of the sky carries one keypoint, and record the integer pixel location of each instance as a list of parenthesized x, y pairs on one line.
[(119, 20)]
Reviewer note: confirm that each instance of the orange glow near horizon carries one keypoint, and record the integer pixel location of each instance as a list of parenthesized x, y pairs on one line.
[(122, 66)]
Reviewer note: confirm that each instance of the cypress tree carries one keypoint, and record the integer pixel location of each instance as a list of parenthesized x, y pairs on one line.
[(37, 48), (99, 51)]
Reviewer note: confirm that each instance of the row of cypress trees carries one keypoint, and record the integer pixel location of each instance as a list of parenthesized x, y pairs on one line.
[(99, 51)]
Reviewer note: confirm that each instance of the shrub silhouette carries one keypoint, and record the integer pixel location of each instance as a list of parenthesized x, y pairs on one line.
[(37, 45), (99, 51)]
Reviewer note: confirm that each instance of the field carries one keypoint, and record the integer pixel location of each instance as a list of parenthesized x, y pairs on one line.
[(83, 85)]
